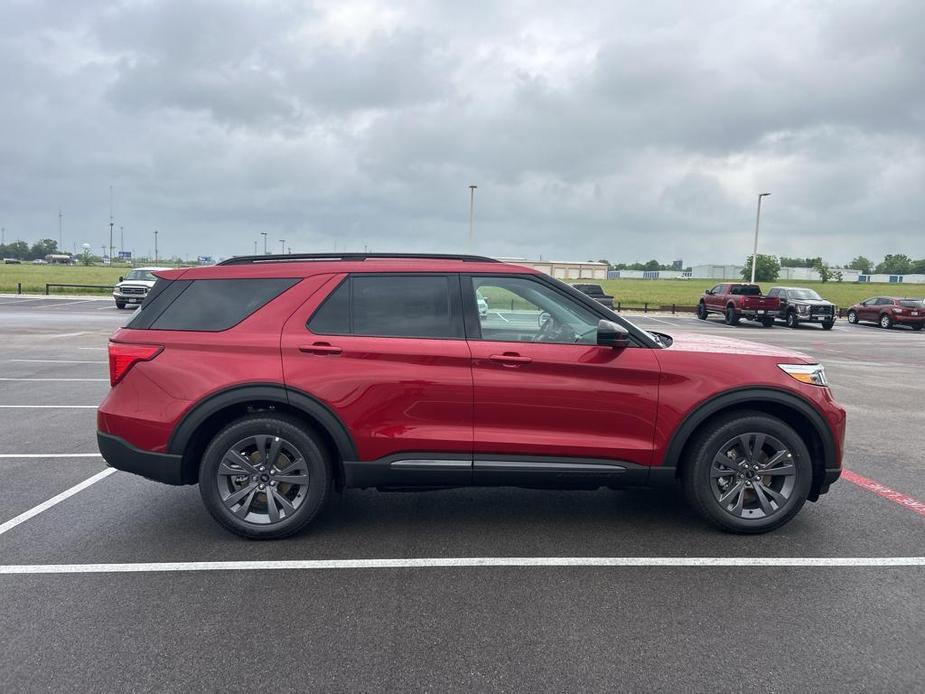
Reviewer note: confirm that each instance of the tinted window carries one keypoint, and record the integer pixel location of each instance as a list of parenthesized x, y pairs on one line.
[(392, 306), (214, 305), (746, 290), (333, 316), (911, 303), (776, 292), (403, 306)]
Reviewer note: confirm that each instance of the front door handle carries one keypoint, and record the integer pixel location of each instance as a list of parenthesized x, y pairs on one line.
[(510, 359), (320, 348)]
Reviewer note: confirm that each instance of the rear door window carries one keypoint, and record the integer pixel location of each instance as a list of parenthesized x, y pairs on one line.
[(404, 305)]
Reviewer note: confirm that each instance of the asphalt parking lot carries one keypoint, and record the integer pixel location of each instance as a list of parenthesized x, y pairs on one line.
[(682, 606)]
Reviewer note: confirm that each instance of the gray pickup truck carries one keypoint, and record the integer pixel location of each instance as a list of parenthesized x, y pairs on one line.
[(596, 292), (802, 305)]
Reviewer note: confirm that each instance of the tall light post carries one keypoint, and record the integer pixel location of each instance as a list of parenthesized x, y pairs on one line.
[(60, 235), (471, 211), (255, 247), (264, 234), (282, 246), (155, 247), (755, 248), (110, 225), (121, 240)]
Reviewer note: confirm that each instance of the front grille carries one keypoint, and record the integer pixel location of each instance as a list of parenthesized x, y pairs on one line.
[(140, 291), (821, 310)]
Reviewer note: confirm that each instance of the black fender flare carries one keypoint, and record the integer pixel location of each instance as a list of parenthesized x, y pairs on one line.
[(262, 392), (743, 395)]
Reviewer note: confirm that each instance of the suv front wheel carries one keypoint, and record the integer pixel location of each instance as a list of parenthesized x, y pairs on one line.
[(750, 473), (264, 477)]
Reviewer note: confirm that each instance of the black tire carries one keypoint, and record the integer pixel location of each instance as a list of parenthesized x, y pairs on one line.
[(852, 317), (886, 321), (731, 317), (827, 324), (303, 457), (767, 322), (792, 320), (705, 489), (916, 327), (120, 304), (702, 311)]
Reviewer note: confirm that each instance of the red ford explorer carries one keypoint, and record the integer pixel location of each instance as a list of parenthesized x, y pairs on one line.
[(271, 380)]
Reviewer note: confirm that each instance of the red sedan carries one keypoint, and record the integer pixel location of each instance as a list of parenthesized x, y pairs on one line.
[(888, 311)]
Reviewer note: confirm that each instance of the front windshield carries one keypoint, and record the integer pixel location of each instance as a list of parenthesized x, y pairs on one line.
[(807, 294), (145, 275)]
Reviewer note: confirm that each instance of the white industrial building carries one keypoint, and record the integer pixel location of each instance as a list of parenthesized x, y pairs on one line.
[(564, 269)]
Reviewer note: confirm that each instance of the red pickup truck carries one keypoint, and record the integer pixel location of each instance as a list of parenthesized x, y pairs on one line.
[(737, 301)]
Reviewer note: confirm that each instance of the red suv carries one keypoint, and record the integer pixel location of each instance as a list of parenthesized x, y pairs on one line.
[(888, 311), (271, 380)]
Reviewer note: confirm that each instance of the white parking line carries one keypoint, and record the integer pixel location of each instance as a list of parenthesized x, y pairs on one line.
[(57, 361), (463, 562), (102, 348), (54, 380), (57, 499), (49, 407), (50, 455)]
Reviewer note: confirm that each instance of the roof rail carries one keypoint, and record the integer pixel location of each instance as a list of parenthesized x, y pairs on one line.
[(296, 257)]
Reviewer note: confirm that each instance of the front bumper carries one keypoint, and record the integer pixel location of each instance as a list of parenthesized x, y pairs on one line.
[(160, 467)]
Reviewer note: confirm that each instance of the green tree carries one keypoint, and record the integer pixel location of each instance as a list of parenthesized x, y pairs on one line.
[(861, 263), (838, 275), (898, 264), (17, 249), (767, 269), (825, 274), (918, 267), (43, 248)]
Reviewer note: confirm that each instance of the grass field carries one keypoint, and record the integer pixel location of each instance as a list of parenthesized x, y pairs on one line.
[(627, 292)]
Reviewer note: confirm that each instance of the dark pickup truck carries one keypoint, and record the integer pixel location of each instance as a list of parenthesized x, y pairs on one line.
[(801, 305), (596, 292), (735, 301)]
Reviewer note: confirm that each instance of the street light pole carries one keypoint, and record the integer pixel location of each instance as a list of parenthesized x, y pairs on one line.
[(282, 246), (155, 247), (264, 234), (255, 247), (755, 248), (471, 211), (110, 225)]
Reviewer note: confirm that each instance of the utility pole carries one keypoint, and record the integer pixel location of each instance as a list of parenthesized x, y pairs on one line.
[(60, 236), (282, 246), (755, 248), (121, 239), (471, 211), (110, 225), (155, 246), (255, 247), (264, 234)]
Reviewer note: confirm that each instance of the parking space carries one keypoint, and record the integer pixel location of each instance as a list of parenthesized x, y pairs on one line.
[(742, 623)]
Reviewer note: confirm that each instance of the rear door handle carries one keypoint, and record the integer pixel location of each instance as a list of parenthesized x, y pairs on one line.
[(320, 348), (510, 359)]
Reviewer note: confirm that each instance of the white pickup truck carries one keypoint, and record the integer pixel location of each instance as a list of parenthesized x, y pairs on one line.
[(133, 288)]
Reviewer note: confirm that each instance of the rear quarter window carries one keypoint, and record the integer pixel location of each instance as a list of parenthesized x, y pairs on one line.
[(207, 305)]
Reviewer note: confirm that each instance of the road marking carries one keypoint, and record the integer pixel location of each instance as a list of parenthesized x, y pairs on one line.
[(102, 348), (54, 380), (68, 334), (49, 407), (56, 361), (463, 562), (882, 490), (57, 499), (50, 455)]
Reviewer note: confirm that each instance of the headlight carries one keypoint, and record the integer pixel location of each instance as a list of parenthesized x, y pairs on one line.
[(814, 374), (803, 309)]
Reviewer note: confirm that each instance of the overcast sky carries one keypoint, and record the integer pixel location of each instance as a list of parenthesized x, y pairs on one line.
[(625, 130)]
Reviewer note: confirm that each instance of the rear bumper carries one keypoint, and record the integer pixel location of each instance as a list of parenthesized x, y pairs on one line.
[(160, 467), (909, 320)]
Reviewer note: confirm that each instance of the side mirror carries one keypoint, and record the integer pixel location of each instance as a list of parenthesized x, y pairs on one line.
[(609, 334), (709, 291), (121, 278)]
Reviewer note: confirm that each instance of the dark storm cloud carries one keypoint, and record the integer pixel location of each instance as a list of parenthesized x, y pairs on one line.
[(614, 129)]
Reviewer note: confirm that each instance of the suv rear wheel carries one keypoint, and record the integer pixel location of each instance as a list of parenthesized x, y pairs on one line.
[(750, 473), (264, 477)]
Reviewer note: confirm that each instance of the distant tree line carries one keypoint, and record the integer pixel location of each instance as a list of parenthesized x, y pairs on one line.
[(23, 251)]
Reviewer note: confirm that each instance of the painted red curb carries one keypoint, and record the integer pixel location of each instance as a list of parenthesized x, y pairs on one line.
[(908, 502)]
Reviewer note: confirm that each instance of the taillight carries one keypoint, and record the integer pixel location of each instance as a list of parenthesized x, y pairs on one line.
[(123, 356)]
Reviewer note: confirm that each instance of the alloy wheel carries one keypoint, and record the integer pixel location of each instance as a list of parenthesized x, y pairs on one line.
[(753, 475), (263, 479)]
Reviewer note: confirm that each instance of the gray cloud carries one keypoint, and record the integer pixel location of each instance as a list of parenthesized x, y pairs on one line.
[(615, 130)]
